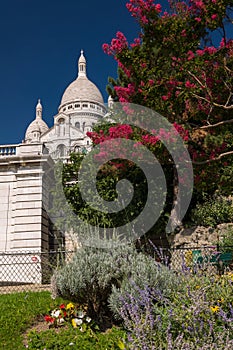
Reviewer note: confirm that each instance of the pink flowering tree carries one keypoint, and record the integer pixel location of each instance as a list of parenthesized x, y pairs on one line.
[(181, 66)]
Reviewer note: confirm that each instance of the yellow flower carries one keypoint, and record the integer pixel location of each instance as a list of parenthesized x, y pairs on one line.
[(230, 275), (214, 308), (221, 300), (69, 306), (74, 324)]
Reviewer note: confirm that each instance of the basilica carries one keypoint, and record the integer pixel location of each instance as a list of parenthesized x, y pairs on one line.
[(24, 181)]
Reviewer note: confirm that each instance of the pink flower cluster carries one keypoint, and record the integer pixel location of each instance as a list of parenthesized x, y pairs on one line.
[(124, 93), (140, 8), (182, 131), (117, 44), (118, 131), (121, 131), (149, 139)]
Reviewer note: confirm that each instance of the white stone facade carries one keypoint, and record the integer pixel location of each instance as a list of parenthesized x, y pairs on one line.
[(24, 181)]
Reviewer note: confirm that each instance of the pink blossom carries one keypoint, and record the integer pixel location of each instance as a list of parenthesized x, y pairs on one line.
[(144, 20), (214, 16), (190, 85), (183, 33), (151, 82), (136, 42), (165, 14), (211, 50), (150, 139), (200, 4), (223, 43), (158, 8), (198, 19), (200, 52), (190, 55)]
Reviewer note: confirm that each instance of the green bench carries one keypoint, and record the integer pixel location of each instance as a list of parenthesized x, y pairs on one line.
[(220, 260)]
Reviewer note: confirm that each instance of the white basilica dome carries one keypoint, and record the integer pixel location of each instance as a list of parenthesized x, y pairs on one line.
[(81, 89), (37, 127)]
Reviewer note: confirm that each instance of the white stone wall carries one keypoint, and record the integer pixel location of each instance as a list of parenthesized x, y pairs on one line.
[(24, 196), (6, 220)]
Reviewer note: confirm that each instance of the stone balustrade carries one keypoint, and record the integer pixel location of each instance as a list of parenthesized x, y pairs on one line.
[(8, 150)]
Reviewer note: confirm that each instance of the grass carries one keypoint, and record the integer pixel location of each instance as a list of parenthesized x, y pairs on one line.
[(19, 311)]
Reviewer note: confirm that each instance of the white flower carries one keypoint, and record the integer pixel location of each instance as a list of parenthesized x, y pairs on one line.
[(88, 319), (78, 321), (55, 313), (80, 314), (61, 320)]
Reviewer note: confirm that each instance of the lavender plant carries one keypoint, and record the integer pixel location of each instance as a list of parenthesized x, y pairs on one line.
[(192, 319)]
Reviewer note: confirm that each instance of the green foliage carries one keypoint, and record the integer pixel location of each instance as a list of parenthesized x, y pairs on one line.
[(213, 212), (106, 181), (226, 240), (74, 339)]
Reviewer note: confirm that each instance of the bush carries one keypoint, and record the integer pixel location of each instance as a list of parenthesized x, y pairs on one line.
[(213, 212), (145, 272), (200, 316), (94, 274), (226, 240)]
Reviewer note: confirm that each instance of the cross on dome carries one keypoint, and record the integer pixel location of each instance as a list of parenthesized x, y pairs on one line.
[(38, 109)]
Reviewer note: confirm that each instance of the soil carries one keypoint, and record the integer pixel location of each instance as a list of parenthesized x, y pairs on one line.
[(38, 326)]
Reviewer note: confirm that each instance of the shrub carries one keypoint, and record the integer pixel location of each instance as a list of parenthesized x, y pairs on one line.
[(145, 272), (226, 240), (94, 274), (195, 318), (213, 212)]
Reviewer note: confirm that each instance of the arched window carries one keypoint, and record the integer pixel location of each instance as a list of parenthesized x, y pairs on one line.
[(61, 121), (77, 149), (84, 125), (77, 125), (61, 150), (61, 129)]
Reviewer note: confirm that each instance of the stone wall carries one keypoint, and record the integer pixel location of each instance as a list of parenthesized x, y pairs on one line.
[(198, 236)]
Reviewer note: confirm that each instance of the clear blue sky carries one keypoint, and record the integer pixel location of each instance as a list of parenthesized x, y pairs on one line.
[(40, 45)]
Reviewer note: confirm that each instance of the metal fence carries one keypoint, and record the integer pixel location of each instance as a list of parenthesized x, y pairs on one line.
[(31, 271)]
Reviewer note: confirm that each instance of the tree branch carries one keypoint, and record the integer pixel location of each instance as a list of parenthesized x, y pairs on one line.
[(213, 103), (230, 121), (213, 159)]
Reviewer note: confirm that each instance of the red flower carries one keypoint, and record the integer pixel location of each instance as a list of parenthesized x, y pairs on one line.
[(48, 318), (62, 306)]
